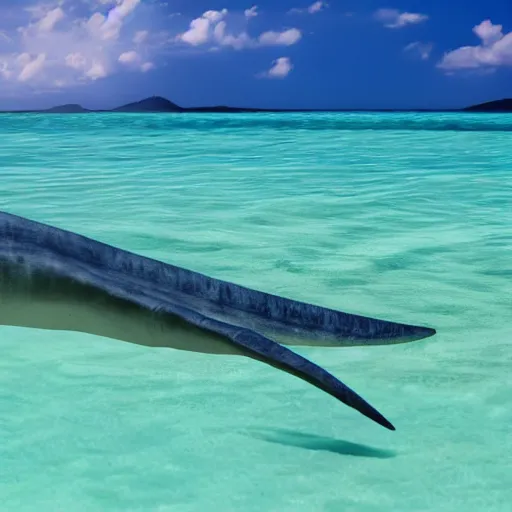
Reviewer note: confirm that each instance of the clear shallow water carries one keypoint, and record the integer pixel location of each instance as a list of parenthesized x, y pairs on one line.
[(411, 221)]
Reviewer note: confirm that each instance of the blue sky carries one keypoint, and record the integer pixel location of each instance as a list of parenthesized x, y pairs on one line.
[(266, 53)]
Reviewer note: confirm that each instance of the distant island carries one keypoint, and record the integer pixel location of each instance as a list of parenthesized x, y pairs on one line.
[(504, 105), (157, 104)]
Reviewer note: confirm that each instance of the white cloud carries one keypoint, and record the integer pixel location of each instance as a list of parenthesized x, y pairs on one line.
[(212, 28), (76, 60), (237, 42), (393, 18), (133, 60), (252, 12), (140, 36), (129, 57), (215, 16), (55, 44), (201, 29), (311, 9), (97, 70), (286, 38), (31, 68), (40, 10), (281, 68), (488, 33), (5, 73), (48, 22), (91, 70), (23, 59), (422, 50), (5, 37), (494, 50), (316, 7), (198, 33), (147, 66), (109, 26)]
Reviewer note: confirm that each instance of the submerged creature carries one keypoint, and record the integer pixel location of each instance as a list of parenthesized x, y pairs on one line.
[(56, 279)]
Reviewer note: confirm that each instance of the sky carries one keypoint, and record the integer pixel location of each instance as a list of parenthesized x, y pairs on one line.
[(332, 54)]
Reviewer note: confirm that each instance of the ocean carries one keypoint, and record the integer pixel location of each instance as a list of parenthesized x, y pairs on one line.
[(405, 217)]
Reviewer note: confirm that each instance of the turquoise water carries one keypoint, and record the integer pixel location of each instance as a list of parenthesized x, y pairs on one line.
[(407, 217)]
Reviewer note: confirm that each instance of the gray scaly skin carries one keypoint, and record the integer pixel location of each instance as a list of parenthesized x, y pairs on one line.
[(59, 280)]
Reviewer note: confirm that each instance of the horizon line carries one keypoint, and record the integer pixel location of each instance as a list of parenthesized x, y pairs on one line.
[(160, 104)]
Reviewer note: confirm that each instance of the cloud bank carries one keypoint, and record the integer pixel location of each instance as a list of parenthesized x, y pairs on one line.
[(55, 47), (73, 42)]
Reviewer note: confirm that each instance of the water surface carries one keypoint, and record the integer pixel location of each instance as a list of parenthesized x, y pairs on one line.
[(406, 217)]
